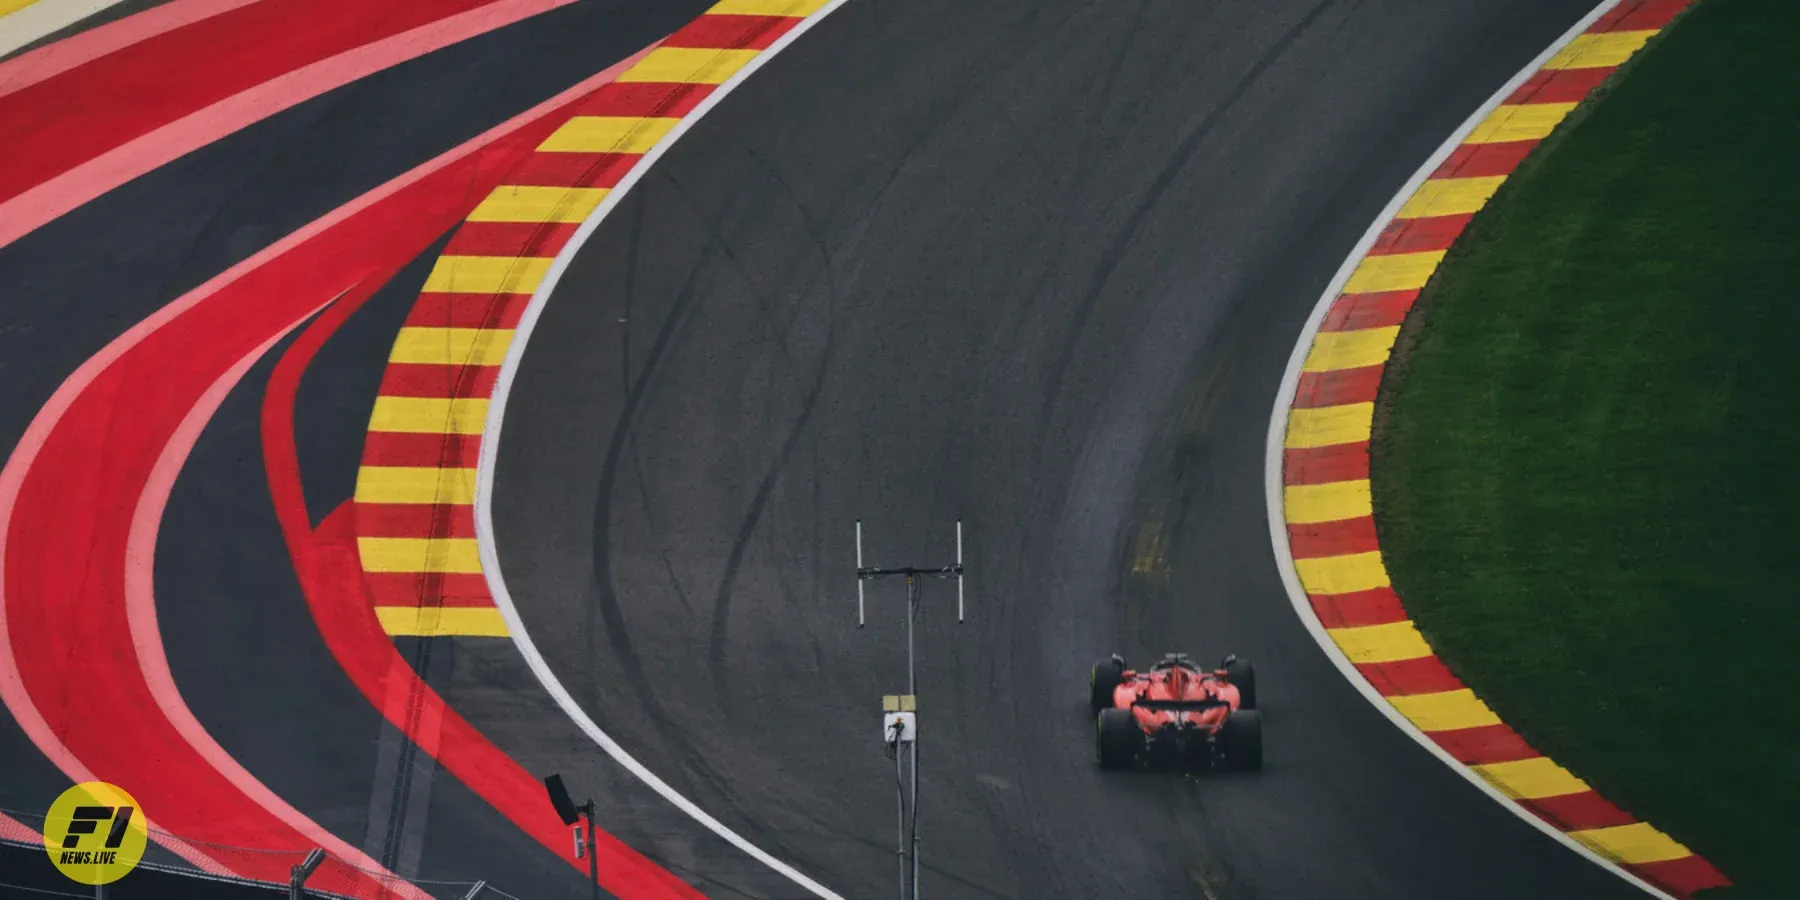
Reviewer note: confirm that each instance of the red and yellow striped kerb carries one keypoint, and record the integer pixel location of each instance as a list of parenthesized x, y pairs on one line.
[(1326, 466), (415, 521)]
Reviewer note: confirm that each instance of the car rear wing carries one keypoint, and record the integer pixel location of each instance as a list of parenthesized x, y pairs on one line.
[(1179, 705)]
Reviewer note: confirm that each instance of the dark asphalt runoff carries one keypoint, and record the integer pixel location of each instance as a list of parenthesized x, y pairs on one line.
[(1038, 265)]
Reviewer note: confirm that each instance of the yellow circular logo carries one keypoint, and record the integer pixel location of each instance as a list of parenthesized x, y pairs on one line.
[(95, 833)]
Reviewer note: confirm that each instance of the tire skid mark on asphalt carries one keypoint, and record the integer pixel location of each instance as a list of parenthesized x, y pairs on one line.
[(1325, 466), (414, 509)]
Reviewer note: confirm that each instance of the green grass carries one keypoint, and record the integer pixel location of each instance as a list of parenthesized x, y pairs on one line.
[(1587, 460)]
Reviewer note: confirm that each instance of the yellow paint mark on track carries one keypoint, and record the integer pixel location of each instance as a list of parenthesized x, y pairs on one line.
[(486, 274), (1333, 502), (608, 134), (1636, 844), (526, 203), (1527, 122), (1334, 350), (448, 555), (789, 8), (429, 415), (1381, 643), (8, 7), (1600, 50), (415, 484), (1451, 196), (1445, 710), (1342, 574), (688, 65), (451, 346), (1328, 425), (412, 621), (1531, 779), (1394, 272)]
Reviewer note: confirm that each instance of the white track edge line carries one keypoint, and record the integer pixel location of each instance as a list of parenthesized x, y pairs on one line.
[(1274, 455), (490, 447)]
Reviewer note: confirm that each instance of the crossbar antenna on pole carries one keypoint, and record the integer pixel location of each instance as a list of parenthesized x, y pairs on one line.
[(900, 712)]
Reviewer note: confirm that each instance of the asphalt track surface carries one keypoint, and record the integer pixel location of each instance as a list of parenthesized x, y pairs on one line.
[(237, 630), (1040, 266)]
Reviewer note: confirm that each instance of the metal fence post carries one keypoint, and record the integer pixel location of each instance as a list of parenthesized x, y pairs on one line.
[(298, 874)]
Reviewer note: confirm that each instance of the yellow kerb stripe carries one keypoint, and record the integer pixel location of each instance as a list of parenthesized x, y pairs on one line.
[(1342, 574), (688, 65), (1328, 425), (528, 203), (429, 415), (451, 346), (1636, 844), (487, 274), (607, 134), (1445, 710), (1531, 779), (415, 484), (448, 621), (1451, 196), (1334, 350), (790, 8), (1526, 122), (1394, 272), (1305, 504), (1381, 643), (1599, 50), (450, 555)]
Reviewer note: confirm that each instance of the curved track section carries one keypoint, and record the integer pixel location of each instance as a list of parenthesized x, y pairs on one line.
[(242, 653), (1041, 267)]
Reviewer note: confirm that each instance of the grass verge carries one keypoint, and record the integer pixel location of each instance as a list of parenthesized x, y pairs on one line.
[(1587, 460)]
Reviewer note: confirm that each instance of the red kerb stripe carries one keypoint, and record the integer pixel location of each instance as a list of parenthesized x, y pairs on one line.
[(1350, 312), (1323, 465), (1487, 744), (1334, 539), (575, 169), (511, 239), (468, 310), (732, 32), (1344, 386), (1683, 876), (1483, 160), (421, 380), (1559, 86), (639, 98), (1640, 15), (1360, 608), (1578, 812), (1420, 235), (1424, 675), (427, 589), (394, 448), (415, 520)]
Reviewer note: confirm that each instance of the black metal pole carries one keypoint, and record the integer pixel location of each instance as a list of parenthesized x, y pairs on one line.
[(912, 687), (593, 852)]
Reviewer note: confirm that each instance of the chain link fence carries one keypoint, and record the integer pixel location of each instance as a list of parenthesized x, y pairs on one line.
[(259, 872)]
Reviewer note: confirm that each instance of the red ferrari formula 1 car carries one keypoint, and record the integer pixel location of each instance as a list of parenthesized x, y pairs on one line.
[(1176, 715)]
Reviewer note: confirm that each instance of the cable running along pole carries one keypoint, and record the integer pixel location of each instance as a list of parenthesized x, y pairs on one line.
[(900, 712)]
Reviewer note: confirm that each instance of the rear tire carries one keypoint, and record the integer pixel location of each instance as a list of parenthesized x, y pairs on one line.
[(1102, 680), (1242, 740), (1117, 738), (1242, 675)]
